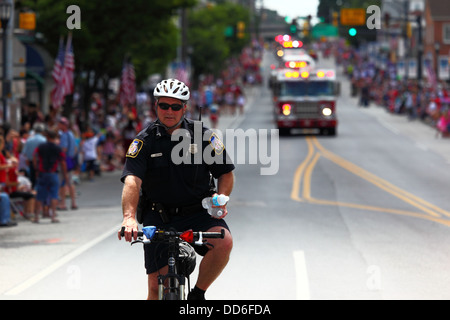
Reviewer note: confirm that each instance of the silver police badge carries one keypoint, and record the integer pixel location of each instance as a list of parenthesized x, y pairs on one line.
[(193, 148)]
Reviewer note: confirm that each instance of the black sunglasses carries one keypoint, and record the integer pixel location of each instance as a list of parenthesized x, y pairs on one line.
[(166, 106)]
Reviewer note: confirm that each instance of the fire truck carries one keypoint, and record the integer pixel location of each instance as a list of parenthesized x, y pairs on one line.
[(305, 99)]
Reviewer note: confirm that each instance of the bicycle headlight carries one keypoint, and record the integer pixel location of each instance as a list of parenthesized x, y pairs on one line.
[(149, 231)]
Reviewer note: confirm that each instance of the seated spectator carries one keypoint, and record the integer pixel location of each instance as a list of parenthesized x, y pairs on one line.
[(19, 186), (5, 206), (5, 211)]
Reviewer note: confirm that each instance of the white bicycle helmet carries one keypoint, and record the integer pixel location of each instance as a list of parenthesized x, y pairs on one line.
[(172, 88)]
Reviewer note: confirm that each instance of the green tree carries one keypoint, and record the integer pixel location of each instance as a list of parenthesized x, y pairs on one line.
[(207, 36), (110, 30)]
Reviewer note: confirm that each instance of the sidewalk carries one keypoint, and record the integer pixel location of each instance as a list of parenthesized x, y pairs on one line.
[(28, 249)]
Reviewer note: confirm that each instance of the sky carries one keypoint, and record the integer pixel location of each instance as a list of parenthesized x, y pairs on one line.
[(293, 8)]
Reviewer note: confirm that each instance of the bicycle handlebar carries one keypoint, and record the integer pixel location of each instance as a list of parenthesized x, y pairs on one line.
[(122, 233), (188, 236)]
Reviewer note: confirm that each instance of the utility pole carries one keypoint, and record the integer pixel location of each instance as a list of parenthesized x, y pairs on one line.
[(183, 23), (420, 49)]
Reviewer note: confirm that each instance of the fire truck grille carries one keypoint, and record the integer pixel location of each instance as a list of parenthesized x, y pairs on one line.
[(307, 110)]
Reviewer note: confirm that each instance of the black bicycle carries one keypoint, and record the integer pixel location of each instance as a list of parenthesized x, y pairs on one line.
[(181, 257)]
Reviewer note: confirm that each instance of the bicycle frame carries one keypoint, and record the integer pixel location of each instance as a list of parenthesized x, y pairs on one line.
[(175, 289), (176, 282)]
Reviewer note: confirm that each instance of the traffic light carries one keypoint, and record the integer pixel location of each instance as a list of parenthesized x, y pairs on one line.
[(408, 30), (241, 30), (352, 32), (335, 19), (293, 27), (387, 19), (229, 31)]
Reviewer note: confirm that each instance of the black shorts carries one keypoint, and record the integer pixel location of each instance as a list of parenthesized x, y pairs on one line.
[(156, 253)]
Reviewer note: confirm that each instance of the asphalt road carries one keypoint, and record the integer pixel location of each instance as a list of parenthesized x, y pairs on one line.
[(363, 215)]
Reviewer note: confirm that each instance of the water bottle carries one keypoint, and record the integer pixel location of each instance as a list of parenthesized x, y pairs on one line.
[(217, 200)]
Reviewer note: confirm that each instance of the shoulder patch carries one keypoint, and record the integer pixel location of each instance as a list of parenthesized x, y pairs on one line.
[(134, 148), (216, 143)]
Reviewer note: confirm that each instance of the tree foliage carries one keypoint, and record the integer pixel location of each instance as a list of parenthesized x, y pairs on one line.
[(206, 36), (110, 30)]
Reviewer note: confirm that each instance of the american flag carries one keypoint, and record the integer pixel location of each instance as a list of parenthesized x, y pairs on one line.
[(127, 94), (431, 75), (182, 74), (69, 67), (57, 94), (63, 73)]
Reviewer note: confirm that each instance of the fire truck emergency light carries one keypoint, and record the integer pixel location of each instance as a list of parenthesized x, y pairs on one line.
[(286, 109), (293, 74), (292, 44), (305, 74), (295, 64)]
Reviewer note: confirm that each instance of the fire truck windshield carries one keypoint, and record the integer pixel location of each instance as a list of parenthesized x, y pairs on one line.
[(306, 88)]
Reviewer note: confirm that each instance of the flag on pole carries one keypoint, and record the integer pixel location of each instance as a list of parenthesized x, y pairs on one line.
[(69, 67), (57, 94), (431, 75), (182, 74), (62, 73), (127, 94)]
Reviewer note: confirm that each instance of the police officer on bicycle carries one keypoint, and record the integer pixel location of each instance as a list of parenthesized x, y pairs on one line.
[(168, 194)]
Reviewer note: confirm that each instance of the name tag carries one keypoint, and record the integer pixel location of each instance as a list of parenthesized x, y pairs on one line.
[(155, 155)]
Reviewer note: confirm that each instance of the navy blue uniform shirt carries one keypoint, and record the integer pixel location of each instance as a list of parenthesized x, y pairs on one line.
[(164, 178)]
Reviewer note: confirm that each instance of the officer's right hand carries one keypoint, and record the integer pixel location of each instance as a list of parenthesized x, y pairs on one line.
[(129, 229)]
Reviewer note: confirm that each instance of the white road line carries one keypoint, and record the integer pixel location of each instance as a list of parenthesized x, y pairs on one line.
[(72, 255), (301, 274)]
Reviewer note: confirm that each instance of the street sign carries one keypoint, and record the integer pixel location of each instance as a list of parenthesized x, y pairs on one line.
[(353, 17), (27, 20), (324, 30)]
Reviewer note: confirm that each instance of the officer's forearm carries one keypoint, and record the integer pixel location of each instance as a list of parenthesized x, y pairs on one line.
[(225, 183), (130, 196)]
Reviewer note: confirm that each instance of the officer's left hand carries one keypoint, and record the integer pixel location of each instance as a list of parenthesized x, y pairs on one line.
[(224, 212), (129, 229)]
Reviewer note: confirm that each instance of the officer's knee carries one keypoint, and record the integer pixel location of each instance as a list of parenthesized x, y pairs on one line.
[(222, 246)]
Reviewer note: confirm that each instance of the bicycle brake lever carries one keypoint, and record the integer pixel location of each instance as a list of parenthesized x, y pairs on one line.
[(200, 241), (140, 240)]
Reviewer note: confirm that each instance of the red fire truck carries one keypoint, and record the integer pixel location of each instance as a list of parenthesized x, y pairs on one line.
[(305, 99)]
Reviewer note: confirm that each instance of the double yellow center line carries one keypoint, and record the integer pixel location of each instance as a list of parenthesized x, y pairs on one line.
[(301, 187)]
